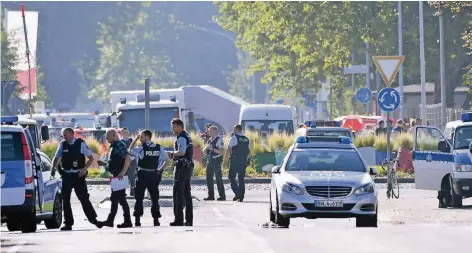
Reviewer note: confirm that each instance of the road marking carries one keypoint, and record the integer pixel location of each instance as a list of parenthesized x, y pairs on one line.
[(17, 247), (245, 230)]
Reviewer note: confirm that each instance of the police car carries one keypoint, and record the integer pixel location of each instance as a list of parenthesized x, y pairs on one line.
[(29, 195), (444, 164), (324, 128), (323, 179)]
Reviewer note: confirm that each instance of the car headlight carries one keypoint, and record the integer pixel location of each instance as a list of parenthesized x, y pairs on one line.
[(290, 188), (463, 168), (366, 189)]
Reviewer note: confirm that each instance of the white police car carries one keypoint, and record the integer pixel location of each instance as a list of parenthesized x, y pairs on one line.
[(323, 179), (28, 193), (443, 164), (319, 128)]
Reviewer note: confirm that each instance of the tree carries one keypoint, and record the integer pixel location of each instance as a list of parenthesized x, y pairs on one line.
[(131, 49), (240, 83)]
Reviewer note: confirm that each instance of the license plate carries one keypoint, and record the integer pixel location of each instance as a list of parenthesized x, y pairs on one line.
[(328, 203)]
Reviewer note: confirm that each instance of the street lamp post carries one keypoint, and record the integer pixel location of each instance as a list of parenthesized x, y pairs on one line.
[(422, 63)]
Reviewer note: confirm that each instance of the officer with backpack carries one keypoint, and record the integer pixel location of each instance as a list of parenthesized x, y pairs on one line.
[(152, 160)]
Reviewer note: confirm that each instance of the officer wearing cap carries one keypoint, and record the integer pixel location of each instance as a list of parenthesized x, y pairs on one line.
[(152, 160), (238, 153), (215, 151), (183, 162), (71, 153)]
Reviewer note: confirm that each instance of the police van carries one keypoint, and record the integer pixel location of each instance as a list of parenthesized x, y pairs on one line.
[(322, 128), (29, 195), (443, 164)]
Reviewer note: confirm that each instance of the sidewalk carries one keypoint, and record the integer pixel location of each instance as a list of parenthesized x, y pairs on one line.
[(202, 181)]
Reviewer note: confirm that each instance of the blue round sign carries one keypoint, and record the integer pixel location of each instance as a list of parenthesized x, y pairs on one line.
[(364, 95), (388, 99)]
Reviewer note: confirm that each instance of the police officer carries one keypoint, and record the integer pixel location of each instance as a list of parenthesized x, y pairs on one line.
[(152, 160), (132, 168), (214, 150), (183, 162), (118, 164), (238, 153), (71, 153)]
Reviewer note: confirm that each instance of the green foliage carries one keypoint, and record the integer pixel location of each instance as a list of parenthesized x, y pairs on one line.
[(364, 141), (131, 49), (240, 83)]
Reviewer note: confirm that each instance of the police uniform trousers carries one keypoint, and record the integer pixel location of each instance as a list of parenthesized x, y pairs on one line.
[(71, 180), (149, 180), (182, 195), (132, 176), (237, 167), (214, 168)]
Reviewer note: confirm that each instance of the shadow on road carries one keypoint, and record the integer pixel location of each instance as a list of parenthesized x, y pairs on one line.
[(465, 207), (6, 243)]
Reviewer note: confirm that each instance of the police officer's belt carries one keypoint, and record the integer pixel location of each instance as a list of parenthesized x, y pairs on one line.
[(71, 171), (148, 170)]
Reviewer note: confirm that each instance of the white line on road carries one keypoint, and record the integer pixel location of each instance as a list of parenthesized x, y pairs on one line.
[(17, 247), (245, 230)]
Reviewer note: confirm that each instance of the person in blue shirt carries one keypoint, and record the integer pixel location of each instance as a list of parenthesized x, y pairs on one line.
[(152, 160), (72, 153)]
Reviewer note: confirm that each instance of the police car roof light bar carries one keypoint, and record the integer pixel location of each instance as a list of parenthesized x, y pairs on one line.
[(9, 119), (466, 116), (345, 140), (302, 139)]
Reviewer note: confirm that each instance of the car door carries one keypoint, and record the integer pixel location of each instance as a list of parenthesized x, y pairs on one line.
[(430, 161), (50, 184)]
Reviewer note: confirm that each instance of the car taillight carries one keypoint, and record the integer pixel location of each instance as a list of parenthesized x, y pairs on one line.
[(26, 151), (28, 180), (27, 159)]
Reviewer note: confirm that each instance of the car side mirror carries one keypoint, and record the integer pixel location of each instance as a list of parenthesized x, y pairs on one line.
[(44, 133), (275, 169), (373, 171)]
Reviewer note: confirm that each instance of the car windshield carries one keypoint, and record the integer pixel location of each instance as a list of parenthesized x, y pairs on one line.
[(268, 126), (325, 160), (463, 137), (328, 133), (133, 119)]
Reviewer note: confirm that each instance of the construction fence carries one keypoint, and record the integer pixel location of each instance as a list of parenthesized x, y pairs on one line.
[(433, 115)]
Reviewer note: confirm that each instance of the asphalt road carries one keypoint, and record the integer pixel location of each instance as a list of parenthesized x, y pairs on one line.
[(412, 223)]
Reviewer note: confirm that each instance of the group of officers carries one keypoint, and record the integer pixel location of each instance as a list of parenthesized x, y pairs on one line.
[(150, 160)]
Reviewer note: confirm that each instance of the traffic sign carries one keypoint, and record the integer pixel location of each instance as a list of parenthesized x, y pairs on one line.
[(388, 67), (364, 95), (388, 99), (355, 69)]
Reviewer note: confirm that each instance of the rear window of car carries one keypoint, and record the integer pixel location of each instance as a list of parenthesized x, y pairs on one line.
[(12, 148)]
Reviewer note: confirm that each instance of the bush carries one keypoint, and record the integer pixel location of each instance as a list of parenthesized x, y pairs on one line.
[(94, 173), (364, 141), (95, 146), (404, 140), (49, 148), (381, 143), (279, 141)]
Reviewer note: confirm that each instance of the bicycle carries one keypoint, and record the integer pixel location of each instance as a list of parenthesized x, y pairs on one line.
[(393, 188)]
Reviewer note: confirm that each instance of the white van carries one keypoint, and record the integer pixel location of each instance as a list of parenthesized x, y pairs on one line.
[(267, 118), (443, 164)]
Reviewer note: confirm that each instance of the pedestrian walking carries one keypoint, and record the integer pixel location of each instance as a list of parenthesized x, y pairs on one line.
[(152, 160), (133, 162), (238, 153), (118, 164), (183, 170), (215, 151), (71, 153)]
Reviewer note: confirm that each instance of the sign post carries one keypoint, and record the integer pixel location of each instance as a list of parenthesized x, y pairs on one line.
[(388, 98)]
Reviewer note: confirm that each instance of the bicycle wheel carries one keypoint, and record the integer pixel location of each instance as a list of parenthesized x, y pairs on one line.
[(395, 186), (389, 181)]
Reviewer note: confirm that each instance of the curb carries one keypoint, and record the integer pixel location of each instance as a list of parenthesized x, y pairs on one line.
[(202, 181)]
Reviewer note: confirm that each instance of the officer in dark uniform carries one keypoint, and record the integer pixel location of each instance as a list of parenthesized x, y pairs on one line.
[(118, 164), (71, 153), (214, 153), (152, 160), (183, 162), (238, 153)]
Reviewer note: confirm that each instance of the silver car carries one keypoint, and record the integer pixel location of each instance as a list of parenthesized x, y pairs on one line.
[(323, 180)]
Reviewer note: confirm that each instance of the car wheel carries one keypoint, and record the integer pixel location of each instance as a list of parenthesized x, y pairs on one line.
[(456, 200), (56, 219), (29, 222), (13, 223), (367, 220), (281, 221), (272, 215)]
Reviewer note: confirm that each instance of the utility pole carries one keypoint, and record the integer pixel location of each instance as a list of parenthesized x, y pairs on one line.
[(443, 69), (147, 116), (422, 64), (400, 52), (367, 76), (30, 101)]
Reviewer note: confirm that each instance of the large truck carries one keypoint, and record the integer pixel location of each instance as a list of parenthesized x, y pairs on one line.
[(196, 105)]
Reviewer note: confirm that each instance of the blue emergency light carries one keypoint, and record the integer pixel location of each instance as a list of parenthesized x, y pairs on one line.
[(173, 98), (122, 100), (322, 123), (9, 119), (345, 140), (301, 139), (72, 120), (466, 116), (48, 113)]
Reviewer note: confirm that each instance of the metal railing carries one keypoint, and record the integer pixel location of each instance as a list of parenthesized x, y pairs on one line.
[(433, 115)]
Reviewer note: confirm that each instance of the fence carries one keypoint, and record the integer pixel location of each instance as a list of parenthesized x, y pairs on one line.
[(433, 115)]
